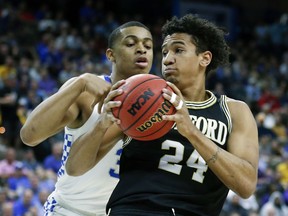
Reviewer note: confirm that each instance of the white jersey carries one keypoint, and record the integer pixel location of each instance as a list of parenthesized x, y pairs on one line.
[(86, 194)]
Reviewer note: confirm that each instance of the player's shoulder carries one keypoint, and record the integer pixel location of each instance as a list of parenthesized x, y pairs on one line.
[(237, 106), (235, 102), (104, 77), (68, 82)]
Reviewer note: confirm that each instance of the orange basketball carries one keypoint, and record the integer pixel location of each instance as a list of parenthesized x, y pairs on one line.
[(143, 107)]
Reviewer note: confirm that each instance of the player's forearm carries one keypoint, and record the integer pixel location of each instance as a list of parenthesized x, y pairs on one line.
[(50, 116), (237, 174), (85, 149)]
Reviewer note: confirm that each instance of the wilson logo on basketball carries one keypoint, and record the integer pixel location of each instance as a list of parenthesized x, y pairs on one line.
[(156, 117), (143, 107), (141, 100)]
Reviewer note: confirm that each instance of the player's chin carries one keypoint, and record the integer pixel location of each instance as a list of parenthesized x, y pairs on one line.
[(170, 78), (141, 70)]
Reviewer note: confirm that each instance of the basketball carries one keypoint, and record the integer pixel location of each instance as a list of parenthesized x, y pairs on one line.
[(143, 106)]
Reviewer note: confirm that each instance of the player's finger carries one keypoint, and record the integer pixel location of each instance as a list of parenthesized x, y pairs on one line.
[(168, 117), (100, 105), (176, 101), (175, 89), (170, 96), (100, 102), (173, 99), (180, 105), (118, 84), (112, 94), (112, 104)]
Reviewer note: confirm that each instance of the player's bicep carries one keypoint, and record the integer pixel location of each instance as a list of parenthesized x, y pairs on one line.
[(78, 113), (243, 140), (70, 117)]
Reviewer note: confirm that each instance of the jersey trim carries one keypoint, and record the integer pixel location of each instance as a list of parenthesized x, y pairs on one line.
[(224, 106), (107, 78), (126, 141), (203, 104)]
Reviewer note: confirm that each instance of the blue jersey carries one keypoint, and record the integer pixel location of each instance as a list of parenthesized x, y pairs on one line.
[(169, 173)]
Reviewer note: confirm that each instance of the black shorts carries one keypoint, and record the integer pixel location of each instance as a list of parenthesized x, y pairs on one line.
[(120, 211)]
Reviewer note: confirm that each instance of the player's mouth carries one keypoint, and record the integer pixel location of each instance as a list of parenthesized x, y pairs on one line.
[(169, 70), (142, 62)]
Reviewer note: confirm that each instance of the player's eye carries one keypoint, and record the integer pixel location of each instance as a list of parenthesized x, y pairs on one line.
[(130, 44), (164, 52), (148, 47), (178, 50)]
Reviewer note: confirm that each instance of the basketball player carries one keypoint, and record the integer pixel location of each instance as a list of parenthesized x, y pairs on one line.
[(213, 146), (85, 191)]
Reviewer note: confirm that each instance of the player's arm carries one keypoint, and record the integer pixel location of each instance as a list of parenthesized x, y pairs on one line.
[(61, 109), (92, 146), (241, 174), (238, 166)]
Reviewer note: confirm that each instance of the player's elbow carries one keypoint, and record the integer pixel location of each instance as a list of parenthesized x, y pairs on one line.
[(247, 190), (27, 136), (246, 194)]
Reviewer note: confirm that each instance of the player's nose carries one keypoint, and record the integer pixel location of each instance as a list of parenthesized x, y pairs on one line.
[(141, 49)]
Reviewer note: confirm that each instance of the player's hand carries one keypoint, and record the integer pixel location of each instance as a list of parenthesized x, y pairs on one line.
[(181, 117), (114, 91), (109, 104), (95, 86)]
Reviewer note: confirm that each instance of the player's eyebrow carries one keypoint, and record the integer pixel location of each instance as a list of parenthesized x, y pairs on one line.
[(136, 38), (176, 42)]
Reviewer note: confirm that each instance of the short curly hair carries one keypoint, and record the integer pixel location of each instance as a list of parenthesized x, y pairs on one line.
[(205, 35)]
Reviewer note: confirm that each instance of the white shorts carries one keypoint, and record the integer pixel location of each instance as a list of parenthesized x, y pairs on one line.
[(53, 208), (60, 211)]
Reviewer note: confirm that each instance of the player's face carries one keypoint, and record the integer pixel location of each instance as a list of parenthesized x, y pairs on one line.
[(180, 63), (134, 51)]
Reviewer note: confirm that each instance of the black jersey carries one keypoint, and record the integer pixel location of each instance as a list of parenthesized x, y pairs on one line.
[(170, 173)]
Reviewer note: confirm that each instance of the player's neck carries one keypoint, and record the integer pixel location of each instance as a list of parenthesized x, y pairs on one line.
[(115, 77), (197, 96)]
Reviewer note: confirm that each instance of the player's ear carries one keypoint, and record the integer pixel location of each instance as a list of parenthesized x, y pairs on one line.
[(206, 58), (110, 55)]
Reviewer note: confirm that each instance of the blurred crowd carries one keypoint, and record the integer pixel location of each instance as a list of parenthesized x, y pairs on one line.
[(40, 49)]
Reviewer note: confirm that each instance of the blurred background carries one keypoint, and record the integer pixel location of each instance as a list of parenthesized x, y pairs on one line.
[(44, 43)]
